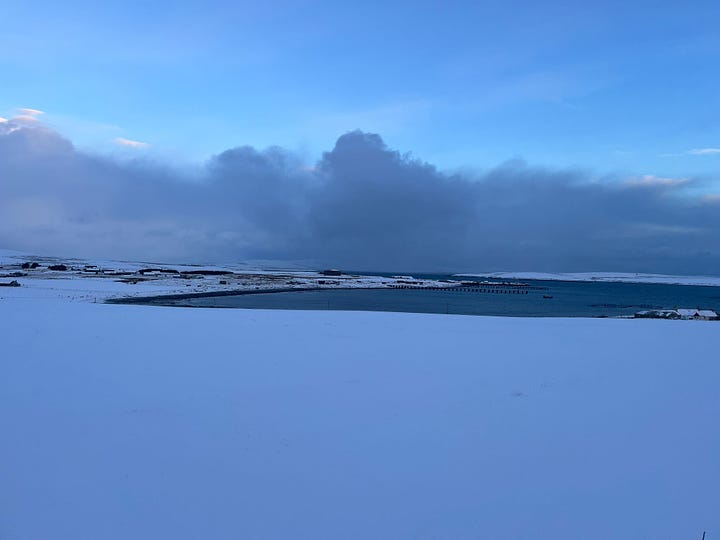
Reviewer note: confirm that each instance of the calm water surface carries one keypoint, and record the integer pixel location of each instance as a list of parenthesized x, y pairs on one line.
[(569, 299)]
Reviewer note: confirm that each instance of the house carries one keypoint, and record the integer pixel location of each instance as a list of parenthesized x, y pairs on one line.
[(707, 315), (698, 314)]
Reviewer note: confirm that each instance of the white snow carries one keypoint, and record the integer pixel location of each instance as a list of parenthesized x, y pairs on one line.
[(603, 276), (77, 283), (133, 422)]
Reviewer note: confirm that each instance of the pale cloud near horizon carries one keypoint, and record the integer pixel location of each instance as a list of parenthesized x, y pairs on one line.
[(652, 180), (129, 143)]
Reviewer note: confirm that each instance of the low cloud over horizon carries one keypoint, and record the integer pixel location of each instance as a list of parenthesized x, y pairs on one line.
[(362, 206)]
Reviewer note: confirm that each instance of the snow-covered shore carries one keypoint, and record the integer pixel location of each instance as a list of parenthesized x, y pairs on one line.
[(148, 422), (617, 277), (100, 280)]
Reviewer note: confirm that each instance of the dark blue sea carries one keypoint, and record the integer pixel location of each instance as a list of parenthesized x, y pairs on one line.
[(537, 299)]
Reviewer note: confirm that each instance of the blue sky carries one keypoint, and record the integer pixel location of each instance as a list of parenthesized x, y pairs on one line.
[(611, 87)]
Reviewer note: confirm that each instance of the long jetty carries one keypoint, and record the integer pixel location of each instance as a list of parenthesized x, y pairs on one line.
[(486, 288)]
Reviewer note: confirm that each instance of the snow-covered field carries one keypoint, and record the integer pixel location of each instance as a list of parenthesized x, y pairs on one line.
[(100, 280), (622, 277), (135, 422)]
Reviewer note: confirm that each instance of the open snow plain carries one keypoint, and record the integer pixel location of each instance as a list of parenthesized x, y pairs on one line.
[(133, 422)]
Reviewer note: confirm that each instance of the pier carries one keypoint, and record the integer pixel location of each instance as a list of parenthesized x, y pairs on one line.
[(484, 288)]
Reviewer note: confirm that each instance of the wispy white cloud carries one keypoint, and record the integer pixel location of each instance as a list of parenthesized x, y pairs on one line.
[(693, 152), (129, 143), (704, 151), (652, 229), (3, 120), (24, 111), (650, 180)]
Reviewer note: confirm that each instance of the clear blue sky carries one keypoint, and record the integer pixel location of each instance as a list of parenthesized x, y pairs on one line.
[(629, 87)]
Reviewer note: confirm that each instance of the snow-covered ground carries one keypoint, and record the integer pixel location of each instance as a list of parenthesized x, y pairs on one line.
[(713, 281), (99, 280), (134, 422)]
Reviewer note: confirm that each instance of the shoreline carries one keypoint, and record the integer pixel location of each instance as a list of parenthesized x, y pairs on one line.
[(157, 299)]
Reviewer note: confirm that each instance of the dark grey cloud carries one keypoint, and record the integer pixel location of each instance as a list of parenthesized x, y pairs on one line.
[(362, 206)]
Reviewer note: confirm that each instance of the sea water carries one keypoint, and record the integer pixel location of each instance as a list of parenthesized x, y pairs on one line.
[(539, 299)]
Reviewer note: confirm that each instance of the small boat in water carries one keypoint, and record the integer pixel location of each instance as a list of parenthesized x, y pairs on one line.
[(546, 296)]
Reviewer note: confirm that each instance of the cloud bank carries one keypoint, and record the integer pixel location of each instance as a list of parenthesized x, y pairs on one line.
[(362, 206)]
